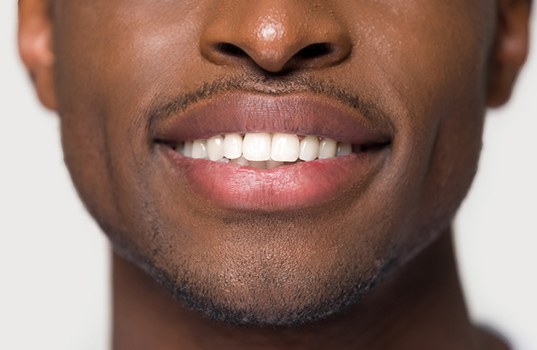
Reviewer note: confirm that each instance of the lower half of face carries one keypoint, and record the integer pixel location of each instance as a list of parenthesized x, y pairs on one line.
[(271, 235)]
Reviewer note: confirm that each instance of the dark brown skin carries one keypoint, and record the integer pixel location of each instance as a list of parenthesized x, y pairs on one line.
[(434, 66)]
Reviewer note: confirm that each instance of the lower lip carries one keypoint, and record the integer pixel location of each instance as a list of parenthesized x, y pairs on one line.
[(289, 187)]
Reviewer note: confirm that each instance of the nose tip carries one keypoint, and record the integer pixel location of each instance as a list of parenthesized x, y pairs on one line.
[(275, 36)]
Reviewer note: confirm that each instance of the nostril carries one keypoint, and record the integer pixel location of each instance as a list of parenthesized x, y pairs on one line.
[(230, 50), (314, 51)]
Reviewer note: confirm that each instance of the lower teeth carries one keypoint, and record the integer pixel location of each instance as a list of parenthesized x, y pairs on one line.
[(269, 164)]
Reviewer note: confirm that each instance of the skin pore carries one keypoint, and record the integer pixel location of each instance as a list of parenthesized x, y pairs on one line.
[(369, 266)]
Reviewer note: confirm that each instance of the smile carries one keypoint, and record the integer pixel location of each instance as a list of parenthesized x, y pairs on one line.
[(263, 150), (253, 152)]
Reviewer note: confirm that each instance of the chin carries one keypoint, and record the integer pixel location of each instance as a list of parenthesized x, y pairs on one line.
[(255, 293), (266, 306)]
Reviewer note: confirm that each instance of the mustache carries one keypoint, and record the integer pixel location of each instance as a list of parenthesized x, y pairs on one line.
[(164, 108)]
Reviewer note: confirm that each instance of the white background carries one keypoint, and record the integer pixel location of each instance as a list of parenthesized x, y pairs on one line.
[(54, 261)]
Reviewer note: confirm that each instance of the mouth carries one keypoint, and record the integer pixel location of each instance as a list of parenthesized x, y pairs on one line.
[(263, 150), (246, 151)]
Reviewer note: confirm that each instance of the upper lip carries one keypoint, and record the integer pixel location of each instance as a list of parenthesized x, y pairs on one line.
[(298, 113)]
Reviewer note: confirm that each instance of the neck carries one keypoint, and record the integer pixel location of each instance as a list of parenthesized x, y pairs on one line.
[(420, 306)]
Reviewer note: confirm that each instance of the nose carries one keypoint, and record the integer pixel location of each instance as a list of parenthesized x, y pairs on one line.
[(275, 35)]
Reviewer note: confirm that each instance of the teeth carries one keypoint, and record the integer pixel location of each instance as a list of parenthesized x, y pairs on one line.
[(199, 149), (262, 150), (256, 146), (215, 148), (241, 161), (309, 148), (343, 149), (187, 149), (327, 149), (273, 164), (285, 147), (233, 146), (258, 165)]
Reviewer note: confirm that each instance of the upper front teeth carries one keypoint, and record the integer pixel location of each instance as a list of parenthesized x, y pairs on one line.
[(233, 146), (257, 147), (262, 147), (285, 148)]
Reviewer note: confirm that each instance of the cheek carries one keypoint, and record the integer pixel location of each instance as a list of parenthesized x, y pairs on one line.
[(435, 81), (445, 130), (112, 55), (453, 165)]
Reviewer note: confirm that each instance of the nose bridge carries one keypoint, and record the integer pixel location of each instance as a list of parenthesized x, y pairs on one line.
[(273, 32)]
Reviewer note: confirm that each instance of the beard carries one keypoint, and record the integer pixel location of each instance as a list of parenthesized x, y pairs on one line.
[(259, 289)]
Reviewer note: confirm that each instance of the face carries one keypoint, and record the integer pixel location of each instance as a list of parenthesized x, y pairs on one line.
[(401, 86)]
